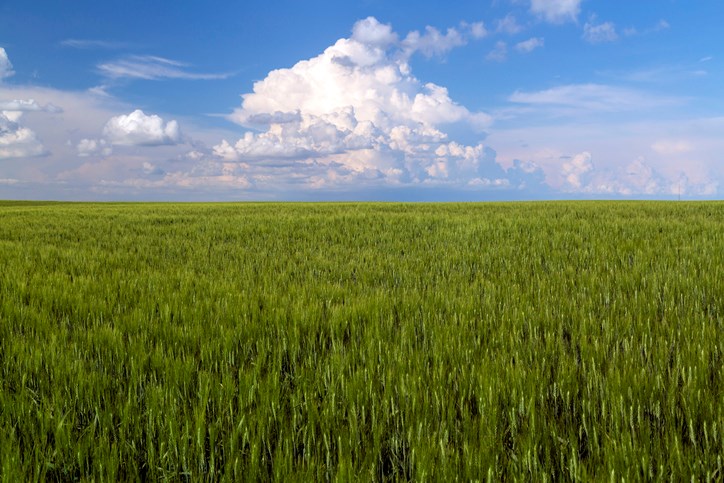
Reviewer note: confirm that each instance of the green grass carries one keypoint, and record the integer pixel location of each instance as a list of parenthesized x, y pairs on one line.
[(369, 342)]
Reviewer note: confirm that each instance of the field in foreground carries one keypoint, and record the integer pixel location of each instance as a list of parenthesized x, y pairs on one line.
[(303, 342)]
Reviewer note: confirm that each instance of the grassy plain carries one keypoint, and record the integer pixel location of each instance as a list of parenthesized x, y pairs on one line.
[(313, 342)]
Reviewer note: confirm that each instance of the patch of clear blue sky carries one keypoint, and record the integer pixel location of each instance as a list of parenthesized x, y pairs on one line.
[(248, 39)]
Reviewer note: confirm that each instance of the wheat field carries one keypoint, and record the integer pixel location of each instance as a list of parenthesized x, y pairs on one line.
[(547, 341)]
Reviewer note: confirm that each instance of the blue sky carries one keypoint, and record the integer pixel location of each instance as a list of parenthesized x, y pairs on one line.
[(320, 100)]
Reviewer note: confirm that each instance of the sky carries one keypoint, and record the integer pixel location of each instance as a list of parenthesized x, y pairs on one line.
[(361, 100)]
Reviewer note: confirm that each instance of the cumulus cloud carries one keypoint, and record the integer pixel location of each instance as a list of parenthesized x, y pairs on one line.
[(556, 11), (92, 147), (597, 33), (508, 25), (574, 170), (371, 32), (354, 81), (499, 52), (629, 156), (139, 129), (149, 67), (641, 178), (6, 68), (530, 45), (637, 178), (357, 110), (477, 29), (432, 42), (17, 141)]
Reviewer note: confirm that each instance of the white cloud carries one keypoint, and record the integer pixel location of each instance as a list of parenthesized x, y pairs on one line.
[(643, 157), (20, 105), (14, 109), (660, 74), (92, 44), (599, 33), (357, 110), (17, 141), (508, 25), (477, 29), (150, 169), (591, 98), (59, 116), (672, 146), (641, 179), (62, 172), (151, 67), (530, 45), (634, 179), (574, 170), (371, 32), (485, 182), (556, 11), (139, 129), (355, 116), (432, 42), (499, 52), (6, 68), (351, 118), (661, 25), (93, 147)]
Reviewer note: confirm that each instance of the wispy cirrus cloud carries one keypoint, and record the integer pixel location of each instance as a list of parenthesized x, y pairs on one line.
[(661, 25), (592, 98), (88, 44), (151, 67), (660, 74)]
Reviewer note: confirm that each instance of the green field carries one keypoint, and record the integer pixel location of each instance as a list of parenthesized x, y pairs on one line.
[(369, 342)]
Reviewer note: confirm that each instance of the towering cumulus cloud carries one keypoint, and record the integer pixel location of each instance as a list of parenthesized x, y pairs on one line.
[(357, 108)]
